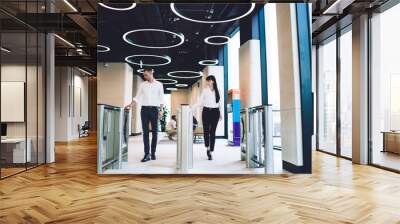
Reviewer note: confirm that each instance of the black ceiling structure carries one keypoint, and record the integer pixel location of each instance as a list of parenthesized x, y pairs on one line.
[(155, 28), (331, 16)]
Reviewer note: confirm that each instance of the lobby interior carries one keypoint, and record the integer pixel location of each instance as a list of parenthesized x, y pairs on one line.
[(51, 61)]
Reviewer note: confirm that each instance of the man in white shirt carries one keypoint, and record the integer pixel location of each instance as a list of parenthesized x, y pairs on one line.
[(150, 96)]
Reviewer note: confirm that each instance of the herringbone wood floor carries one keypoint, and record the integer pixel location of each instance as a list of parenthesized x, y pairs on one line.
[(70, 191)]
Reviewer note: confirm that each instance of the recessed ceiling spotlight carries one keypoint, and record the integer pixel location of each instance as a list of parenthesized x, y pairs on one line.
[(102, 48), (167, 81), (140, 62), (174, 35), (181, 85), (173, 8), (208, 40), (198, 74), (208, 62), (118, 9)]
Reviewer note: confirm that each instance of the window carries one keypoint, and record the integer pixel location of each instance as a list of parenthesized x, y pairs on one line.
[(385, 89), (22, 78), (346, 94), (327, 96)]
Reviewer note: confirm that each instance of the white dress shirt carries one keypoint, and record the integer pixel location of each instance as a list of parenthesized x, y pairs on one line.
[(150, 93), (207, 99)]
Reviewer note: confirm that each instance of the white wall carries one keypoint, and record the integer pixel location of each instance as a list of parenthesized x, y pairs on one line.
[(33, 126), (250, 74), (291, 131), (136, 122), (12, 73), (114, 84), (71, 102)]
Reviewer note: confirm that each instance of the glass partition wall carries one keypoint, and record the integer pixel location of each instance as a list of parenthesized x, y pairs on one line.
[(334, 94), (385, 90), (22, 77)]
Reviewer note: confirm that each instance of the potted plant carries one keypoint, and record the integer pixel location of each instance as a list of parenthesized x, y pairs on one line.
[(163, 120)]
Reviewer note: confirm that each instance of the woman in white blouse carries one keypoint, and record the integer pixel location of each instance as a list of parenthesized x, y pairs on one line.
[(210, 100)]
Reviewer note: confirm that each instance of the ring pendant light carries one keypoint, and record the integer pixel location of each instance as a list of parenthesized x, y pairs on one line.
[(169, 81), (129, 60), (198, 74), (181, 37), (103, 48), (173, 8), (208, 62), (118, 9), (208, 40), (181, 85), (172, 89)]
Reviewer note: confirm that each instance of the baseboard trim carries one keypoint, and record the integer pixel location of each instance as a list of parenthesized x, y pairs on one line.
[(293, 168), (135, 134)]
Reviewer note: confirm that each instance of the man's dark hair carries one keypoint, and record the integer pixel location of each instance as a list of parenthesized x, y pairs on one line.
[(147, 69)]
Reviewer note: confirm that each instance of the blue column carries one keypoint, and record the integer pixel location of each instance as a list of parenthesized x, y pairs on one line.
[(225, 56), (304, 43), (263, 53)]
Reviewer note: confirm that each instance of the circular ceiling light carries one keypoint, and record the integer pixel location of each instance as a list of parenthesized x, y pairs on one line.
[(181, 85), (208, 40), (167, 81), (172, 89), (209, 62), (181, 37), (102, 48), (140, 62), (173, 8), (140, 70), (118, 9), (198, 74)]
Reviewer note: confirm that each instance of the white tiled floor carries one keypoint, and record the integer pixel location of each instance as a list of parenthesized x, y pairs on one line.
[(226, 159)]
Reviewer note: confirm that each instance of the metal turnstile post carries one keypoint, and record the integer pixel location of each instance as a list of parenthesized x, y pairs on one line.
[(184, 155), (268, 141)]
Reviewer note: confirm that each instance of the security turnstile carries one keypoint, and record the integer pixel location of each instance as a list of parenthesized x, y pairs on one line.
[(184, 154), (112, 137), (256, 138)]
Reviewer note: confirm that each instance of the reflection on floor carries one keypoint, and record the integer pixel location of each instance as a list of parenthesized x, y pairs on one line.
[(5, 172), (386, 159), (226, 159)]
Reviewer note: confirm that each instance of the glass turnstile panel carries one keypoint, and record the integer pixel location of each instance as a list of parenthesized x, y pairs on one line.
[(256, 138), (112, 137)]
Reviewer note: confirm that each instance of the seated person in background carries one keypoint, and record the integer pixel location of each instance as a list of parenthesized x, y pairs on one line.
[(171, 128), (195, 123)]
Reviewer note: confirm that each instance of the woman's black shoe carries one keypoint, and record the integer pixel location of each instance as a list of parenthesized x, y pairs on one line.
[(145, 158), (209, 155)]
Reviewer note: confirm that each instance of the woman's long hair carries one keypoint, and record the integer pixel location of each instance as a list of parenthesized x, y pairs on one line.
[(217, 96)]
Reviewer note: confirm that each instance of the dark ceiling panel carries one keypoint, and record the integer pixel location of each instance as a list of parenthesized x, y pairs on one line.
[(113, 24)]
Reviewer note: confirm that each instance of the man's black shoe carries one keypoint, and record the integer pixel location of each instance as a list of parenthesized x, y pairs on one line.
[(153, 156), (145, 158)]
